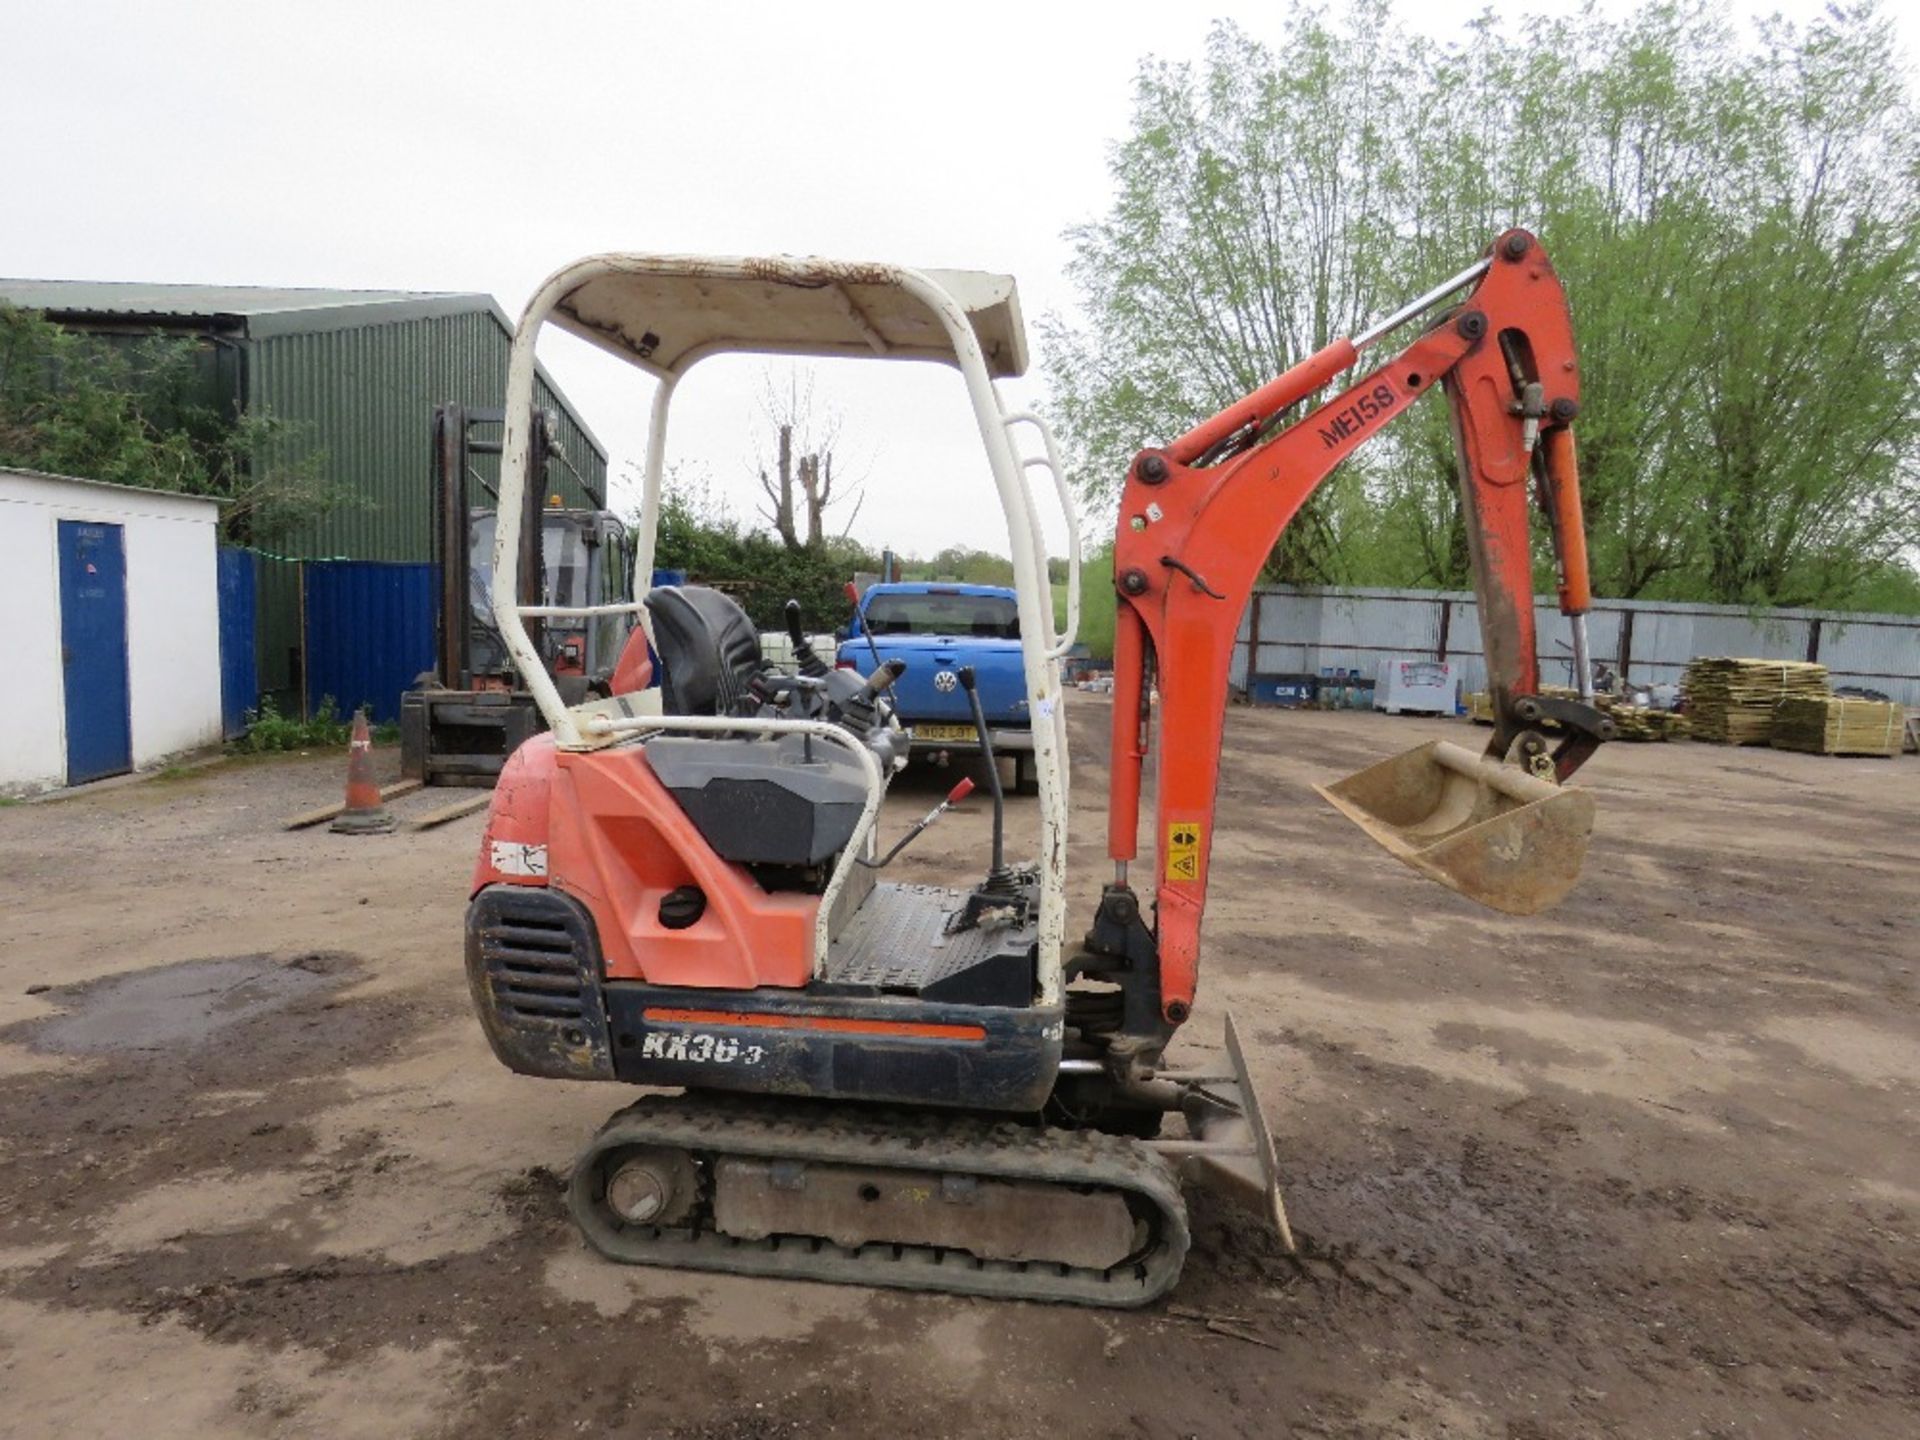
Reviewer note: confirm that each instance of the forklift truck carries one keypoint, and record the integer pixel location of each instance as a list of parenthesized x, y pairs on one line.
[(463, 718)]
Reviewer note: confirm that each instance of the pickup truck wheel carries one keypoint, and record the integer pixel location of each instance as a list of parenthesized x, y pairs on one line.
[(1026, 775)]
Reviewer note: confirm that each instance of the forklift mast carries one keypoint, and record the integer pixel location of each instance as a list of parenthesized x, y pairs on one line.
[(463, 718), (454, 447)]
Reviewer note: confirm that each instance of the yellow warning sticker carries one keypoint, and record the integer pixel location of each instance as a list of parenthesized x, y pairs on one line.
[(1183, 849)]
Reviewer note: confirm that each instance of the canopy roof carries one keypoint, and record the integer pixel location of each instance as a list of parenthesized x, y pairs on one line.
[(666, 311)]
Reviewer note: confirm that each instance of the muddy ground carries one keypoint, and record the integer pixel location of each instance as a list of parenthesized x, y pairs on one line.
[(1648, 1166)]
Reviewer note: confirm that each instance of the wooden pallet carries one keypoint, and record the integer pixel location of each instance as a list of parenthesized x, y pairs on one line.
[(1838, 725), (1731, 701)]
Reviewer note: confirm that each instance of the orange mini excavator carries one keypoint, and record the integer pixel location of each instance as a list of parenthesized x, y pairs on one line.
[(681, 885)]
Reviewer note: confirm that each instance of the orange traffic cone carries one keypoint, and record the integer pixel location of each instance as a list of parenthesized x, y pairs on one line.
[(365, 814)]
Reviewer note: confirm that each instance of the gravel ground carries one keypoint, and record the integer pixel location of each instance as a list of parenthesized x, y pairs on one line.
[(1645, 1166)]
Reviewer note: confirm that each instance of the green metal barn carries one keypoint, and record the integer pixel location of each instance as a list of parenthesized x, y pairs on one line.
[(356, 374)]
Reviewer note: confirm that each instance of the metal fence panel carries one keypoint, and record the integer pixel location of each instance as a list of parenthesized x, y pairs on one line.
[(1662, 646), (1381, 626), (1286, 660), (369, 632), (1553, 640), (277, 632), (1760, 637), (1875, 653), (1650, 642)]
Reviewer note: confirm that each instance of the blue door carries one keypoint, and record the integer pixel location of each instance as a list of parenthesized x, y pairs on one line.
[(93, 649)]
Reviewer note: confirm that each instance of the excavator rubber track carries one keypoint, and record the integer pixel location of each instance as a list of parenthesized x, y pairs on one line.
[(1073, 1166)]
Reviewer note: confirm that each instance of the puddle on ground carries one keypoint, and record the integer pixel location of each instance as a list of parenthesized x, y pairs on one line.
[(182, 1004)]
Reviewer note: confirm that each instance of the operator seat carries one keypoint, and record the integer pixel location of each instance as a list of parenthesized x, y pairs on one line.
[(782, 801), (708, 649)]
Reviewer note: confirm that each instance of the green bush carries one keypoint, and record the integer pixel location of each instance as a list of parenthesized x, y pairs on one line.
[(269, 731), (1097, 602), (151, 413)]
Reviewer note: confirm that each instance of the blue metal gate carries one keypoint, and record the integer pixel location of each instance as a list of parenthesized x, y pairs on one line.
[(239, 674), (93, 649), (369, 633)]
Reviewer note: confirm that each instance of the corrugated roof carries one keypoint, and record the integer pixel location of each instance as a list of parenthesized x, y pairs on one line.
[(265, 309)]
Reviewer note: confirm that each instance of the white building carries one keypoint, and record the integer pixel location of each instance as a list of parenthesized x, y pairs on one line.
[(112, 635)]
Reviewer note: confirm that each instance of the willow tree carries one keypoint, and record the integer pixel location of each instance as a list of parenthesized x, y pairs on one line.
[(1736, 215)]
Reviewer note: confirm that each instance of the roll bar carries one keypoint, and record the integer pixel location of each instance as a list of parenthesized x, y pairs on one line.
[(665, 313)]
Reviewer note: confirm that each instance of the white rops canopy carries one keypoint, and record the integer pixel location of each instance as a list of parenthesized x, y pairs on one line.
[(665, 312)]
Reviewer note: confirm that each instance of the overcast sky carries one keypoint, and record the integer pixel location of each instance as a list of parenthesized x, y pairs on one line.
[(479, 146)]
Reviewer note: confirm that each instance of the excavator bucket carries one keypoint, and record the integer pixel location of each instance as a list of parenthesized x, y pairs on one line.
[(1496, 834)]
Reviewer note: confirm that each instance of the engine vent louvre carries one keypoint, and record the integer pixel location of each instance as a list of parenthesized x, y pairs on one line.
[(531, 961)]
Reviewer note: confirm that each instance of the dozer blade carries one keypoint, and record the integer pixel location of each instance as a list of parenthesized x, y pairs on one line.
[(1229, 1147), (1496, 834)]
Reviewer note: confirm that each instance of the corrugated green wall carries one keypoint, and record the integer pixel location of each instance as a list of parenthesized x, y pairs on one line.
[(365, 398)]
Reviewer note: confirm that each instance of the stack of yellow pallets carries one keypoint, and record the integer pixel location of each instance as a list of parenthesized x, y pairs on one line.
[(1642, 722), (1730, 702), (1838, 725)]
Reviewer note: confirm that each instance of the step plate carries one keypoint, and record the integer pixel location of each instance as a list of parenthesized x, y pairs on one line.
[(898, 941)]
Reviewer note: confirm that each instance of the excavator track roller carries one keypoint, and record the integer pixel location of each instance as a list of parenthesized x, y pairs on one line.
[(815, 1191), (1509, 840)]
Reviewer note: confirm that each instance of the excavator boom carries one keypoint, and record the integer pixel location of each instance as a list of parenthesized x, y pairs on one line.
[(1199, 517)]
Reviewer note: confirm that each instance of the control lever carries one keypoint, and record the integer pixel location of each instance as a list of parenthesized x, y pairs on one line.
[(857, 702), (881, 680), (954, 797), (803, 652), (999, 878)]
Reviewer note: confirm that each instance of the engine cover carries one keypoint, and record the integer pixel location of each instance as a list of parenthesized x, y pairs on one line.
[(769, 800)]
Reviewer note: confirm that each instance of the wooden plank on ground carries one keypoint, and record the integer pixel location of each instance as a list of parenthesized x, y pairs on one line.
[(458, 809), (1838, 725), (327, 812)]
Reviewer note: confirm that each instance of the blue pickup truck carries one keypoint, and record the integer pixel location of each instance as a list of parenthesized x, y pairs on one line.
[(936, 629)]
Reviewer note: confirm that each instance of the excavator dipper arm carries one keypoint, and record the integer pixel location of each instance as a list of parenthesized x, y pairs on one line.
[(1199, 517)]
